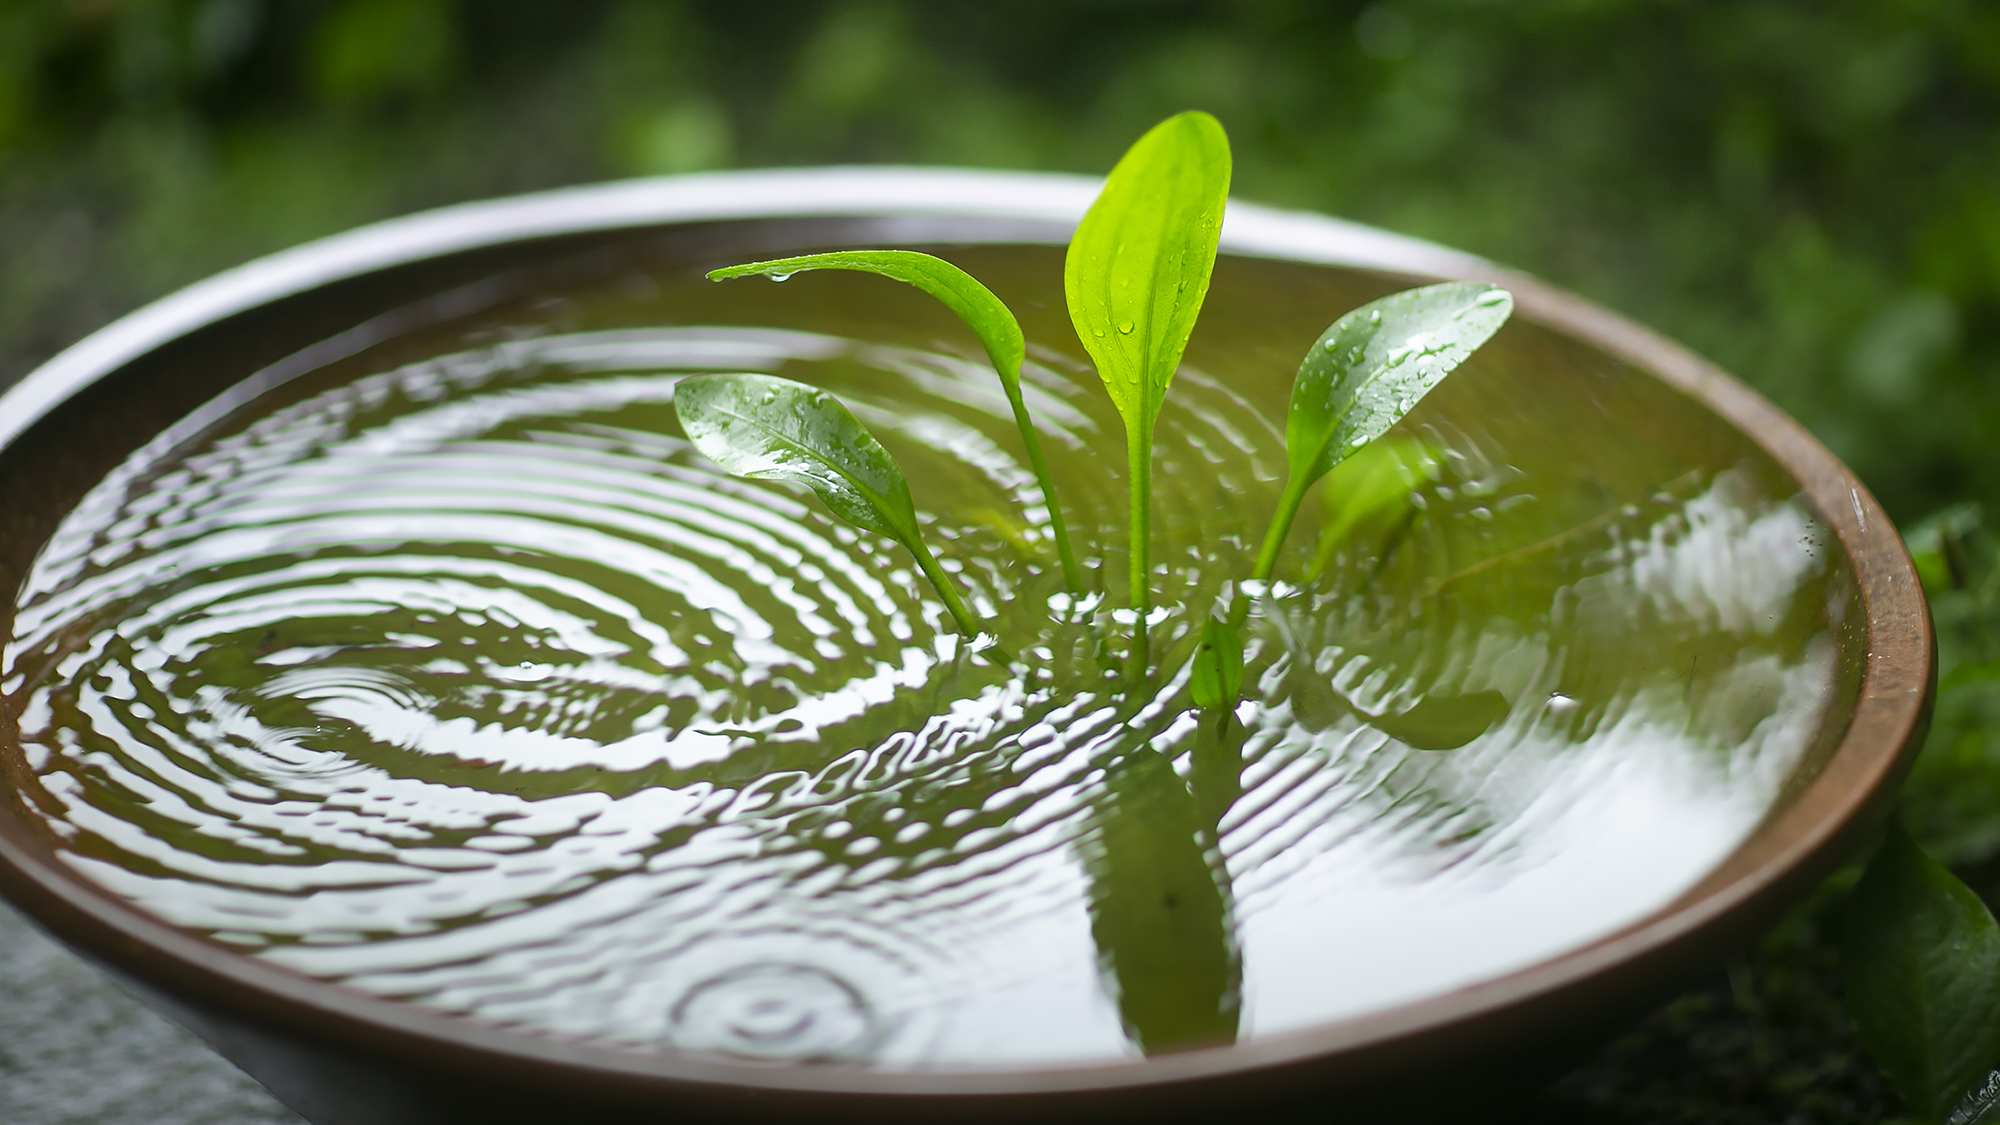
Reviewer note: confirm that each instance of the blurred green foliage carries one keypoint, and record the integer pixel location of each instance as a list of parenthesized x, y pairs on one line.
[(1953, 795), (1806, 190)]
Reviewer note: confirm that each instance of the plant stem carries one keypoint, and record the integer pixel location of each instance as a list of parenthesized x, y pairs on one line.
[(1072, 575), (1139, 453), (942, 583), (1274, 542), (1281, 525)]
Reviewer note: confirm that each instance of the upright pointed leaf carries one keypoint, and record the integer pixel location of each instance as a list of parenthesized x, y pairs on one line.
[(1135, 276), (1922, 968), (1367, 371), (1139, 265), (989, 318), (766, 428)]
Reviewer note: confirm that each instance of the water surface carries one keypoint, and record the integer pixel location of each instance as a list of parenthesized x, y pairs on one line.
[(445, 669)]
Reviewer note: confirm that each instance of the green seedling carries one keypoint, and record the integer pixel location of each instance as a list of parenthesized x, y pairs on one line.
[(765, 428), (1366, 372), (1135, 277), (988, 317)]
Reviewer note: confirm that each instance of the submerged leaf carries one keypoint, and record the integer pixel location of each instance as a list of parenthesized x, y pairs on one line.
[(1135, 276), (1922, 968), (1445, 722), (1367, 371), (1216, 680), (1372, 487), (766, 428), (989, 318)]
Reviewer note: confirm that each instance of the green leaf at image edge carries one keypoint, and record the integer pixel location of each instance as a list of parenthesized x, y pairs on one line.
[(766, 428), (1921, 961), (1366, 372), (1135, 277), (989, 318)]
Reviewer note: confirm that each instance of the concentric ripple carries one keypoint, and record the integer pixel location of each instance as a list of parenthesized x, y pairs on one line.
[(467, 682)]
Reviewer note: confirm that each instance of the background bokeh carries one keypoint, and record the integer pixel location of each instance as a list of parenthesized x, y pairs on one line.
[(1808, 191)]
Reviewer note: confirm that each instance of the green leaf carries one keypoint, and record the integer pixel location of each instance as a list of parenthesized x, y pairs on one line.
[(975, 304), (1971, 672), (766, 428), (1981, 1106), (989, 318), (1445, 722), (1135, 276), (1216, 680), (1139, 265), (1933, 570), (1372, 487), (1922, 968), (1946, 548), (1366, 372)]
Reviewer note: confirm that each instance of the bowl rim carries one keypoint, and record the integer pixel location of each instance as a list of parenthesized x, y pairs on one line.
[(1789, 850)]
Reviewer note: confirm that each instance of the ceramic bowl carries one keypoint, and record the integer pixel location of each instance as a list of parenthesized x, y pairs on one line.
[(344, 1056)]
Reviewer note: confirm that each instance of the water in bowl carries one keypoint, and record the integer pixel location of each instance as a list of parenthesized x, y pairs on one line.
[(435, 662)]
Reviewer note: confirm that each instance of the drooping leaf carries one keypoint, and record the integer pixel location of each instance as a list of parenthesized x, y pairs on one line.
[(766, 428), (988, 317), (1367, 371), (975, 304), (1921, 962), (1135, 277), (1216, 679)]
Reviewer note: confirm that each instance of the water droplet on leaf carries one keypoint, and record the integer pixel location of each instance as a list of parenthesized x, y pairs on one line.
[(1125, 327), (780, 276)]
